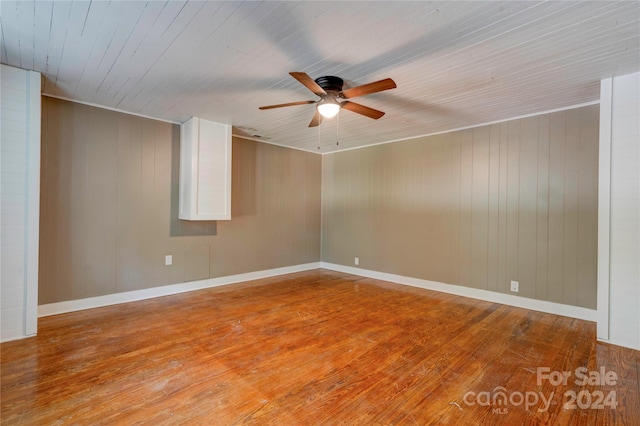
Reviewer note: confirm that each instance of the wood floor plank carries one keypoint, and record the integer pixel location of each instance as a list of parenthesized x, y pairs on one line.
[(311, 348)]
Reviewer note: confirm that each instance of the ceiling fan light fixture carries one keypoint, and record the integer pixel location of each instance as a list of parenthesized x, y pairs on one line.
[(328, 109), (330, 90)]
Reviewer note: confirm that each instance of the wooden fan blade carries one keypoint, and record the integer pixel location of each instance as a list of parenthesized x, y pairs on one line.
[(308, 82), (363, 110), (365, 89), (316, 120), (286, 105)]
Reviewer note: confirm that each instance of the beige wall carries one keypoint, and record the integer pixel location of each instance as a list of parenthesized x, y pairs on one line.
[(109, 207), (477, 208)]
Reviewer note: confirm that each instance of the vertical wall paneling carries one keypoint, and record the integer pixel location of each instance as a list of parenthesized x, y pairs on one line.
[(587, 255), (555, 256), (110, 207), (480, 207), (509, 201), (20, 197), (528, 206), (466, 207), (570, 252), (455, 202), (493, 205), (513, 200), (501, 285), (128, 153), (542, 202)]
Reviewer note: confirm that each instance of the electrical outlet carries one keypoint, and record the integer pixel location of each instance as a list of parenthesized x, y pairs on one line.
[(168, 260), (515, 286), (356, 261)]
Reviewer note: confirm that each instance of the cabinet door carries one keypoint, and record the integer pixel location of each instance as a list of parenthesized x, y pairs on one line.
[(205, 170)]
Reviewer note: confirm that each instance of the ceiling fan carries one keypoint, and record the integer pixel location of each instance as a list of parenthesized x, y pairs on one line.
[(329, 89)]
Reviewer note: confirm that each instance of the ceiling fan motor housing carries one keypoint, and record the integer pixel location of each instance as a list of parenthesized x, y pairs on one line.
[(330, 83)]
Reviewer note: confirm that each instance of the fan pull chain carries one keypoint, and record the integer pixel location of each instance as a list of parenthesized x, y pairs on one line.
[(337, 129)]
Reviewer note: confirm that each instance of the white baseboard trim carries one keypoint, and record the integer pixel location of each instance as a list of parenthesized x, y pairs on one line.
[(614, 342), (166, 290), (474, 293), (10, 337)]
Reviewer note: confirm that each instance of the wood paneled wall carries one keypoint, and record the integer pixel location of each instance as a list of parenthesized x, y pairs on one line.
[(477, 208), (109, 207)]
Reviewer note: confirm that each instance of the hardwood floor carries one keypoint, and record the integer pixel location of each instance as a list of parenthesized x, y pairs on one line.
[(314, 348)]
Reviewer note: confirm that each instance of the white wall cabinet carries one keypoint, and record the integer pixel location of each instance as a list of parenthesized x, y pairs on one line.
[(205, 170)]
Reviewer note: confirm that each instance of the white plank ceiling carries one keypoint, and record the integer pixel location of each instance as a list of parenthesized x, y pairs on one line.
[(456, 64)]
